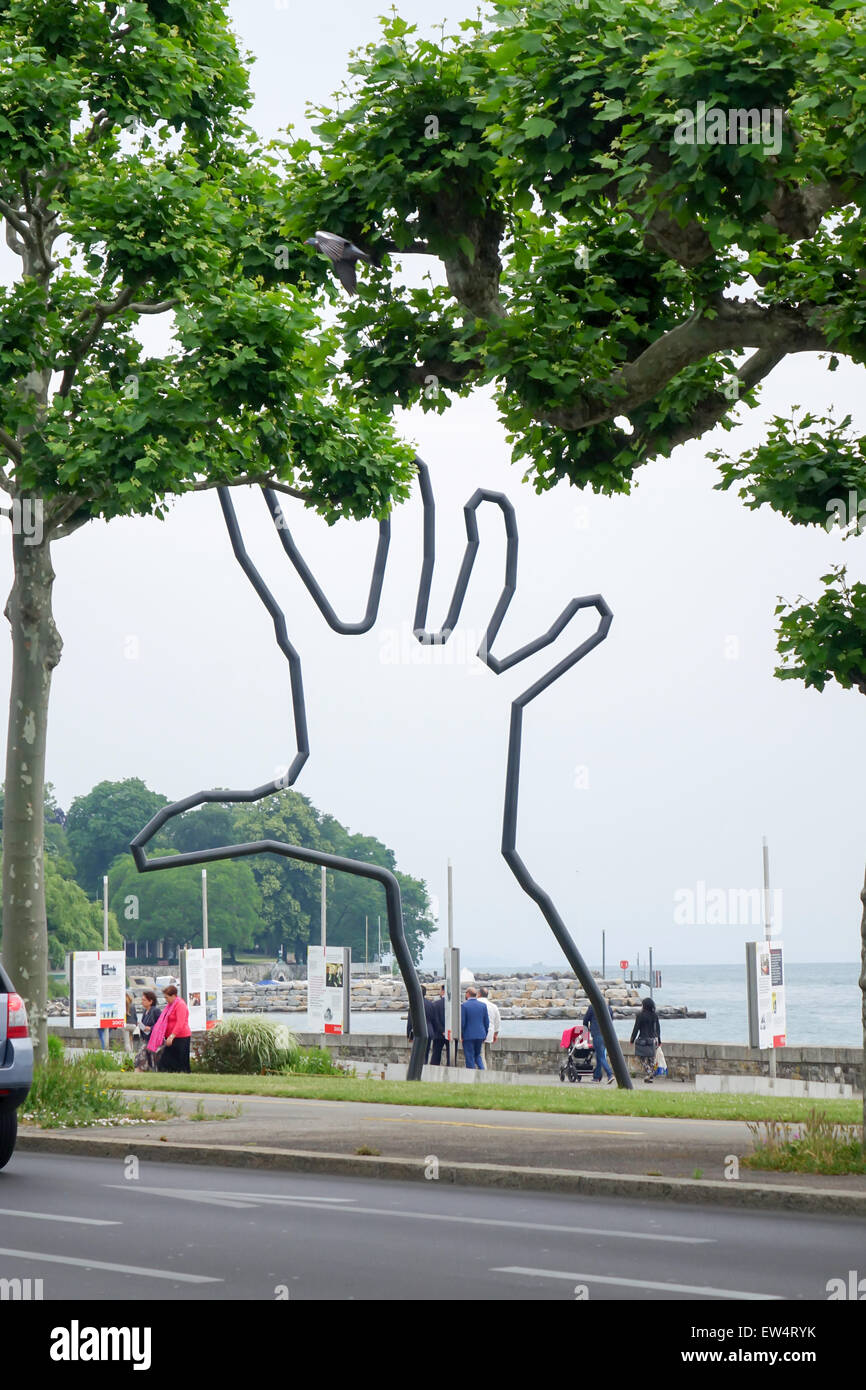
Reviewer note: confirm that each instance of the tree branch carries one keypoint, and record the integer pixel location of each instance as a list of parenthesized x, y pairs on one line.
[(156, 307), (37, 221), (12, 448), (797, 212), (16, 221), (14, 242), (416, 248), (444, 370), (102, 312), (737, 325), (259, 481), (69, 527), (715, 406), (100, 124), (688, 245), (60, 516)]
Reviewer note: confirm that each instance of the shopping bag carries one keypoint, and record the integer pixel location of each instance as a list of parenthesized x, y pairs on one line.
[(660, 1063)]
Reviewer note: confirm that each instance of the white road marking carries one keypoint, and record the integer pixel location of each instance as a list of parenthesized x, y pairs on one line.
[(38, 1257), (49, 1216), (224, 1199), (205, 1197), (635, 1283), (194, 1195), (285, 1197)]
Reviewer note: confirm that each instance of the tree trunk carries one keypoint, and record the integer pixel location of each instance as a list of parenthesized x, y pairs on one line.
[(36, 648), (863, 994)]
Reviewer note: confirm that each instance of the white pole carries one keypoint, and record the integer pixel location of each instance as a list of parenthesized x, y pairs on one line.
[(105, 912), (768, 932), (379, 930), (366, 943), (324, 906), (450, 906), (204, 908)]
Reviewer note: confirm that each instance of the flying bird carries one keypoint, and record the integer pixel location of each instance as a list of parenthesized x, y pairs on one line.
[(343, 254)]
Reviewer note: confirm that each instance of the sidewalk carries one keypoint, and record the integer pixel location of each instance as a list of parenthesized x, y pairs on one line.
[(686, 1160)]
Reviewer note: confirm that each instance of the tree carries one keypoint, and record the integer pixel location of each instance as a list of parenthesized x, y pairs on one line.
[(291, 891), (101, 824), (592, 225), (202, 828), (130, 187), (640, 211), (168, 907), (75, 922)]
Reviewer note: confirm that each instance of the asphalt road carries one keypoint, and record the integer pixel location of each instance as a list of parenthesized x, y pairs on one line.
[(92, 1229)]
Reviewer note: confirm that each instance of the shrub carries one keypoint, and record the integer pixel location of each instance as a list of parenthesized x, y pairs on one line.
[(70, 1093), (248, 1046), (316, 1061), (97, 1060), (55, 1048), (816, 1145)]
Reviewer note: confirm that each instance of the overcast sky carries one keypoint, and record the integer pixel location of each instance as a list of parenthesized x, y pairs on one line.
[(655, 766)]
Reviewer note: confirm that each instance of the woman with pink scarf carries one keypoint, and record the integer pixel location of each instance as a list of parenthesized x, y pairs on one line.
[(172, 1033)]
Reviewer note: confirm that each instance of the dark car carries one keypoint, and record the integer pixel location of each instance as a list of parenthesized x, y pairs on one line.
[(16, 1064)]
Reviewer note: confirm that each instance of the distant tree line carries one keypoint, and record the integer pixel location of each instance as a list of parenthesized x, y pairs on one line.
[(268, 904)]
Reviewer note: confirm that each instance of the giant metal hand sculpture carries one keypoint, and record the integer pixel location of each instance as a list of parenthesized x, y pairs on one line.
[(497, 665)]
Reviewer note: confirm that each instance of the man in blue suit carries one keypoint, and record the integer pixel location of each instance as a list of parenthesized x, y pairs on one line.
[(474, 1027)]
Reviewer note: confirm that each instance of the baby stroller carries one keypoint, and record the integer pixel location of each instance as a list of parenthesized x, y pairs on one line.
[(580, 1057)]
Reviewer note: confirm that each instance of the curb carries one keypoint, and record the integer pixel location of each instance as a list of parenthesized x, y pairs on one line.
[(559, 1180)]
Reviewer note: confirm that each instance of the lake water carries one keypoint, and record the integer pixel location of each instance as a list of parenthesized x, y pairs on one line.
[(823, 1008)]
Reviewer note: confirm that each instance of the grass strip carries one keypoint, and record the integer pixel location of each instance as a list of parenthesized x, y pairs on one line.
[(541, 1099)]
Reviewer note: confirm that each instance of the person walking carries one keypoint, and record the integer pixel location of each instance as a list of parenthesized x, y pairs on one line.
[(437, 1014), (474, 1027), (150, 1012), (177, 1032), (429, 1007), (646, 1036), (495, 1024), (601, 1063), (131, 1028)]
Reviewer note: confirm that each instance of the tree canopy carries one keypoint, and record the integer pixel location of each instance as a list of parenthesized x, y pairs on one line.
[(131, 186), (639, 210), (168, 905), (101, 824), (264, 903)]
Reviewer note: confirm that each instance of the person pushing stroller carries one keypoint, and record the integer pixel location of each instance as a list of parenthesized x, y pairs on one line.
[(601, 1063)]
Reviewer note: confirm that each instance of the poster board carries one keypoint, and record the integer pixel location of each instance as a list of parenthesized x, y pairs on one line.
[(97, 989), (201, 985), (765, 981), (329, 972)]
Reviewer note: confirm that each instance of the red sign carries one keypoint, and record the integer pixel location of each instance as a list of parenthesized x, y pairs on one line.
[(623, 965)]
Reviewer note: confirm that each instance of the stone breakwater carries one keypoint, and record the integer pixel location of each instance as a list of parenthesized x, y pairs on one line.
[(517, 996), (557, 996)]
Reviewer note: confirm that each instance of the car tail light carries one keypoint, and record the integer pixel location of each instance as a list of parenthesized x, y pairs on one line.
[(16, 1017)]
